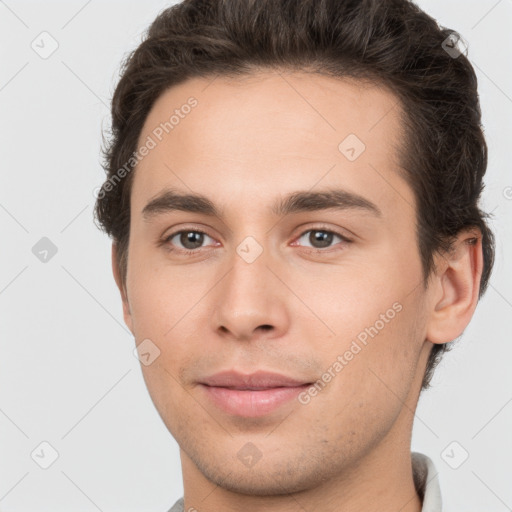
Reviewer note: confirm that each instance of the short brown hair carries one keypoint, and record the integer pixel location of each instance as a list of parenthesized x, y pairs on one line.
[(389, 42)]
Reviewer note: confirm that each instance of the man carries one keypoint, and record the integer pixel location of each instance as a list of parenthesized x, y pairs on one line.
[(292, 191)]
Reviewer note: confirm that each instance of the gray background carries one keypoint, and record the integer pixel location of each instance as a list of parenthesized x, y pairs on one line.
[(68, 375)]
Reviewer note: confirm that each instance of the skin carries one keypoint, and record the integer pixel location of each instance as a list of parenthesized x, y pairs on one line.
[(249, 142)]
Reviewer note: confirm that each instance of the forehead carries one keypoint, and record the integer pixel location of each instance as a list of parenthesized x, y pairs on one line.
[(272, 132)]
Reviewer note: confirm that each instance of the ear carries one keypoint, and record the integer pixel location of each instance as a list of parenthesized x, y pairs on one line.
[(122, 288), (456, 286)]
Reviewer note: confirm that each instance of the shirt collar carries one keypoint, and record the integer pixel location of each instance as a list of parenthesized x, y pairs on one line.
[(426, 482)]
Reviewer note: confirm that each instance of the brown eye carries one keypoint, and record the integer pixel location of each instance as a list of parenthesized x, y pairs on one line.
[(320, 238), (190, 240)]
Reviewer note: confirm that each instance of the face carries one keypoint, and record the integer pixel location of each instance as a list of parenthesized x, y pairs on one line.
[(300, 260)]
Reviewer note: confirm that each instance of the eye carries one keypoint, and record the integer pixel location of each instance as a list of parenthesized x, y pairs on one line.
[(321, 238), (191, 240)]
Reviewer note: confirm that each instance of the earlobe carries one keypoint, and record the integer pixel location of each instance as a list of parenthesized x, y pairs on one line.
[(455, 288), (122, 289)]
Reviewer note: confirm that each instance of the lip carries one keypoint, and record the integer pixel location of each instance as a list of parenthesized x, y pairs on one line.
[(251, 395)]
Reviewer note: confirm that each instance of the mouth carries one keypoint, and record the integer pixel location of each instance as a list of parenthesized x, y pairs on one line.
[(251, 395)]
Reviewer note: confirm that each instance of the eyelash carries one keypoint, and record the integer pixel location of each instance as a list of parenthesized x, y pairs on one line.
[(193, 252)]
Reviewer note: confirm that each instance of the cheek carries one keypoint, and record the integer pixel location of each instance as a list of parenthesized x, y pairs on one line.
[(371, 382), (162, 308), (165, 304), (375, 328), (161, 297), (381, 372), (341, 302)]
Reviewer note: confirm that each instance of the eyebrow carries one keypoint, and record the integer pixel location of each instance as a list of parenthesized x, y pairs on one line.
[(301, 201)]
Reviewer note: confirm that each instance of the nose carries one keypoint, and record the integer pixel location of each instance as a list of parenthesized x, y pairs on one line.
[(251, 302)]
